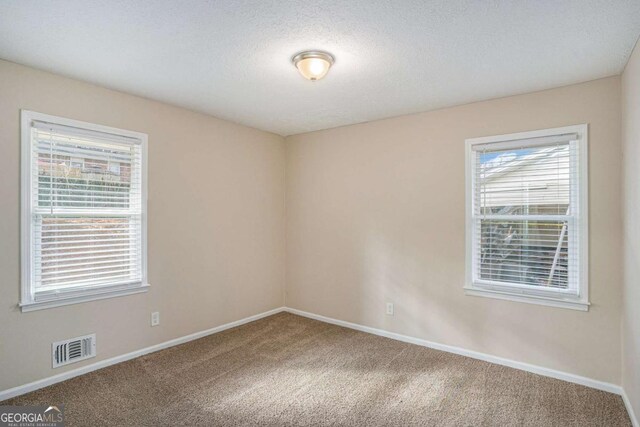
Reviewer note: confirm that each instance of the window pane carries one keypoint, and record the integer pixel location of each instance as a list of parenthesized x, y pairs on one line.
[(87, 209), (525, 252), (526, 181), (72, 251), (82, 174)]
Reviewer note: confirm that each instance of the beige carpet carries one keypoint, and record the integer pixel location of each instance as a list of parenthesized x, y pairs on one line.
[(287, 370)]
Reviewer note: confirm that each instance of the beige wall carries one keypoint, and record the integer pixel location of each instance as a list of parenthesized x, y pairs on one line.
[(375, 213), (216, 225), (631, 212)]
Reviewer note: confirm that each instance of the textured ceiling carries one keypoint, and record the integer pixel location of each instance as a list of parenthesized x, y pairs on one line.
[(231, 58)]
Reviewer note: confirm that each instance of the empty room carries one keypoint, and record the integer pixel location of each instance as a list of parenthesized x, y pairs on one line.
[(328, 213)]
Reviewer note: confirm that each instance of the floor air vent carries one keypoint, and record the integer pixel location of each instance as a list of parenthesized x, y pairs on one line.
[(73, 350)]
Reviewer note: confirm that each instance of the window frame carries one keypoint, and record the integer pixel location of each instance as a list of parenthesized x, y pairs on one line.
[(28, 300), (519, 292)]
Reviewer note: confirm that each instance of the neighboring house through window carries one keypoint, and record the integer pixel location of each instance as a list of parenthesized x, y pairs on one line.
[(527, 217), (77, 163), (114, 168), (83, 217)]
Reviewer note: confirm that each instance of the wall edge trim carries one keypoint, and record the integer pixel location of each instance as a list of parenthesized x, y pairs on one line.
[(629, 406)]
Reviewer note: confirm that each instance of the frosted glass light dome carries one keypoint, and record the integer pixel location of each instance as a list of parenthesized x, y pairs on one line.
[(313, 65)]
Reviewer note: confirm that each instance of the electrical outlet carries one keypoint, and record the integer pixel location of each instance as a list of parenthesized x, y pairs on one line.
[(390, 309), (155, 318)]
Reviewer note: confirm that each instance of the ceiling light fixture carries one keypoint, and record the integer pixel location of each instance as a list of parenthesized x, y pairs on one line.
[(313, 64)]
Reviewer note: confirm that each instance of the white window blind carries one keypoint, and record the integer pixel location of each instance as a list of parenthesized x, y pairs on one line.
[(526, 216), (86, 210)]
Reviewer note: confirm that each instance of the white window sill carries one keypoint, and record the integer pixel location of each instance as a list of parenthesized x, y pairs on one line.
[(93, 295), (528, 298)]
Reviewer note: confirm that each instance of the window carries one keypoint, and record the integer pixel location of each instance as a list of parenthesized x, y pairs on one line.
[(83, 211), (527, 217)]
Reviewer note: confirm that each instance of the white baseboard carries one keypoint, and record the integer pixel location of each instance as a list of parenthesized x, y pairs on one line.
[(577, 379), (26, 388), (632, 414)]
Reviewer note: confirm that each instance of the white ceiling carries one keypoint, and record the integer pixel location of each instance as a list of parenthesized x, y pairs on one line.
[(231, 58)]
